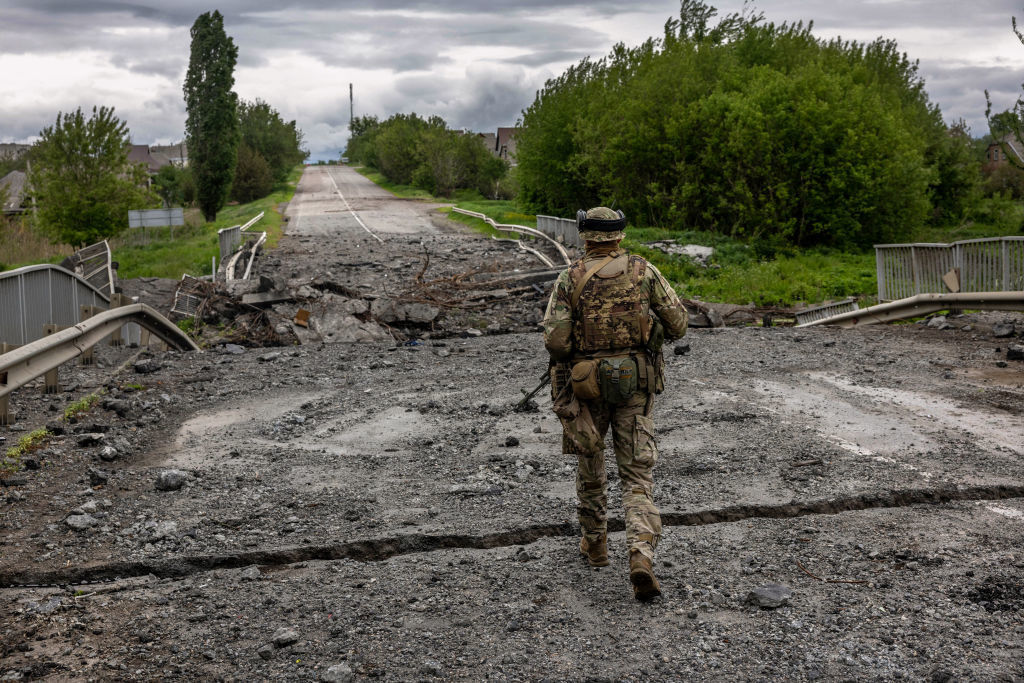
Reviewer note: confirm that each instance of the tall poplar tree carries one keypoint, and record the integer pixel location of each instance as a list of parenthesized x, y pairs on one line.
[(212, 124)]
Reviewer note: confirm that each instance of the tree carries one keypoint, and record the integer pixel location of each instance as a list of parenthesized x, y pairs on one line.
[(253, 178), (278, 142), (748, 129), (212, 106), (81, 178)]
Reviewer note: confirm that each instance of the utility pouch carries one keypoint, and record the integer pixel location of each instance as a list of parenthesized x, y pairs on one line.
[(618, 379), (584, 380)]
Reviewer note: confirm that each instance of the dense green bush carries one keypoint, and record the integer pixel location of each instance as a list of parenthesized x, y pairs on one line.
[(425, 153), (752, 130)]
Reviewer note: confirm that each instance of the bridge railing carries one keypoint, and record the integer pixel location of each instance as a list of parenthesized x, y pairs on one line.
[(34, 296), (562, 229), (994, 264)]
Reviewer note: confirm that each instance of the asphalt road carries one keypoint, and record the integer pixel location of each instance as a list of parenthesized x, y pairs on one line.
[(338, 201)]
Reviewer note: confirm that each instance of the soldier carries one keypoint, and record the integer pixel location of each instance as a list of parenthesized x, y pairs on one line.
[(605, 323)]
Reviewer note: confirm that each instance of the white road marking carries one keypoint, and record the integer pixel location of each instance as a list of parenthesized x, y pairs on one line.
[(354, 214)]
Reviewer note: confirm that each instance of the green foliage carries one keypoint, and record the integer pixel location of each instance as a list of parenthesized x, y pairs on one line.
[(425, 153), (82, 405), (269, 137), (745, 129), (83, 183), (212, 123), (192, 248), (253, 178), (31, 442), (171, 184)]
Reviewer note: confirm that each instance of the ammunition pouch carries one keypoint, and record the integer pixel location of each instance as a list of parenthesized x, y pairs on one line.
[(617, 378), (584, 379), (559, 373), (650, 372)]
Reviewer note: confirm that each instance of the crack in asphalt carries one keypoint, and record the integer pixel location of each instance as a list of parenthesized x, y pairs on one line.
[(379, 549)]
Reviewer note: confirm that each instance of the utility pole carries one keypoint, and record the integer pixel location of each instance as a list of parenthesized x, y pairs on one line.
[(351, 107)]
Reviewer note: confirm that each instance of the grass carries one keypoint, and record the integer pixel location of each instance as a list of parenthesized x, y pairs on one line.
[(22, 246), (193, 248), (82, 405), (29, 443)]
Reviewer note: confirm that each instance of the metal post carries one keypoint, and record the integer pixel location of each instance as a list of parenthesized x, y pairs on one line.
[(5, 414), (51, 383), (144, 338), (88, 357), (116, 301), (1005, 248)]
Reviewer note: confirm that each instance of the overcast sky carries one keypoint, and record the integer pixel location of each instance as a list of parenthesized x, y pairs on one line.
[(477, 63)]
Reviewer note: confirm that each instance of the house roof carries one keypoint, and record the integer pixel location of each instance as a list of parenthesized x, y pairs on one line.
[(1013, 144), (490, 141), (14, 184), (139, 154)]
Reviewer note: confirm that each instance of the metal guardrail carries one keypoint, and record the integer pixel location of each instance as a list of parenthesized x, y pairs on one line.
[(994, 264), (34, 296), (28, 362), (562, 229), (809, 315), (923, 304), (231, 238), (94, 265), (522, 229)]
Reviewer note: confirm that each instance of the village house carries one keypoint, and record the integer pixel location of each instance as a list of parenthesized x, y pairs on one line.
[(502, 144), (996, 154)]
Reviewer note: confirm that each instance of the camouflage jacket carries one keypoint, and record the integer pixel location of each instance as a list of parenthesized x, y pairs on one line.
[(559, 322)]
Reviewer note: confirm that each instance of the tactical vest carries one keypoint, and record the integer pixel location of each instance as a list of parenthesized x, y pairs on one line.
[(611, 311)]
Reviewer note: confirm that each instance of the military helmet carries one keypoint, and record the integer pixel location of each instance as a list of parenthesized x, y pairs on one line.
[(601, 224)]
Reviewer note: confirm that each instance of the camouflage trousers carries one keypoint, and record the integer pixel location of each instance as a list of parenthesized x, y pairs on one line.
[(635, 454)]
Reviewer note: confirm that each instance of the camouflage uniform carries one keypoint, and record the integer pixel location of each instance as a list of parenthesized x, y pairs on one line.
[(570, 336)]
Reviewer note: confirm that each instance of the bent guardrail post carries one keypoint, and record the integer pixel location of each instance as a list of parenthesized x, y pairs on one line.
[(24, 364), (923, 304)]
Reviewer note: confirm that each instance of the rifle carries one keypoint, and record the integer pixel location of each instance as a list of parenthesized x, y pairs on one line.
[(545, 378)]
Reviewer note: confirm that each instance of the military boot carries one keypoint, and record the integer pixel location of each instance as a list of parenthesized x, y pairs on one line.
[(596, 552), (645, 585)]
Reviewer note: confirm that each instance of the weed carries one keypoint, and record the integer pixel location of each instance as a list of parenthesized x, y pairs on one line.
[(82, 405), (29, 443)]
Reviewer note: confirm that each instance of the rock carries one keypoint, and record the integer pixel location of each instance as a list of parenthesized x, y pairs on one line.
[(97, 477), (511, 442), (770, 596), (30, 463), (88, 508), (146, 366), (938, 323), (91, 439), (339, 673), (233, 349), (430, 668), (170, 480), (265, 652), (681, 349), (251, 573), (81, 522), (472, 332), (391, 311), (108, 454), (268, 357), (1003, 329), (1015, 352), (162, 530), (285, 636), (115, 405)]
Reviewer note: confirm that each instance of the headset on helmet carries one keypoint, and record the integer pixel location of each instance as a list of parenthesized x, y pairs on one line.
[(600, 224)]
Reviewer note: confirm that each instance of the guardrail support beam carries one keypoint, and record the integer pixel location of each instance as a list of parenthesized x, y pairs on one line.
[(116, 301), (86, 312), (51, 383)]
